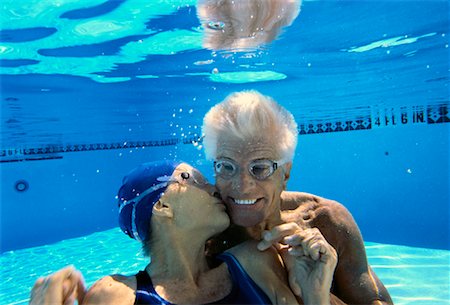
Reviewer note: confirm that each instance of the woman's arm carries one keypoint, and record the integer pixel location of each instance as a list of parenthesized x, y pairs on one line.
[(62, 287), (67, 285), (111, 290)]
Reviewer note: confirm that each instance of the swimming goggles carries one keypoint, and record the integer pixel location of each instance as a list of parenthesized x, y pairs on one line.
[(192, 177), (260, 169)]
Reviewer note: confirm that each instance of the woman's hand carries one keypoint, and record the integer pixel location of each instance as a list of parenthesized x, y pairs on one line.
[(60, 288), (309, 259)]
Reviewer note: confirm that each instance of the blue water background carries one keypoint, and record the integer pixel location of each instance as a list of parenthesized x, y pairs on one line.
[(377, 64), (412, 275)]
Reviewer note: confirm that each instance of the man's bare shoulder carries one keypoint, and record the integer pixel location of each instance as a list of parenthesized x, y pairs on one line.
[(292, 201), (112, 289), (329, 216)]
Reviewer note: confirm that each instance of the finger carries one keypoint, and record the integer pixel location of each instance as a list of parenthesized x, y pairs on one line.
[(287, 258), (70, 300), (279, 232), (312, 246), (36, 291), (74, 286), (39, 281), (68, 288), (264, 245), (59, 282), (313, 242), (63, 273), (329, 255), (296, 251), (37, 286), (295, 287), (295, 239), (81, 287), (318, 250)]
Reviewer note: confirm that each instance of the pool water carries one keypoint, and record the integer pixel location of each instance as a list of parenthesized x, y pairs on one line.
[(411, 275), (92, 88)]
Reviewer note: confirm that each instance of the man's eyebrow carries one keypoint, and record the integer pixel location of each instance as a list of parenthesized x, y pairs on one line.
[(223, 157)]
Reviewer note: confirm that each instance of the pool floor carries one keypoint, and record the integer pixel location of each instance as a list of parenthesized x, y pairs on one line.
[(412, 275)]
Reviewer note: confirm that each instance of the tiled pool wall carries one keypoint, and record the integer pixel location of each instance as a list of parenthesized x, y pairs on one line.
[(392, 177)]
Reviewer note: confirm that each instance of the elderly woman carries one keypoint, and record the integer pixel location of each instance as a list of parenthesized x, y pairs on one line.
[(173, 211), (252, 141)]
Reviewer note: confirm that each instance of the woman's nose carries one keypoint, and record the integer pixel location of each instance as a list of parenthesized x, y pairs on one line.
[(212, 190), (217, 195)]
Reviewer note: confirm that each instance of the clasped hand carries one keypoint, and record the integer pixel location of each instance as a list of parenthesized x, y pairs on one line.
[(309, 259), (62, 287)]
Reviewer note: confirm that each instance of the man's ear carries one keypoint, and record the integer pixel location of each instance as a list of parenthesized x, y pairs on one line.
[(163, 209), (286, 173)]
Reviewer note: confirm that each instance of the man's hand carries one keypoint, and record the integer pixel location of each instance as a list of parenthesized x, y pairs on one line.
[(60, 288), (310, 260)]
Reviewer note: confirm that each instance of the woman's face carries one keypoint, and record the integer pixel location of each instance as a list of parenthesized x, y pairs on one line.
[(196, 202)]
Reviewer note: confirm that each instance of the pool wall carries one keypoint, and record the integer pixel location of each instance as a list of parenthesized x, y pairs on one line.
[(393, 180)]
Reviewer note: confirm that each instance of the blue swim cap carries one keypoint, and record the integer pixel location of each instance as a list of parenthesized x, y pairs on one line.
[(139, 192)]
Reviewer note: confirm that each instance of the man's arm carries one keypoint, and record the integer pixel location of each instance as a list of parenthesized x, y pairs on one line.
[(354, 282)]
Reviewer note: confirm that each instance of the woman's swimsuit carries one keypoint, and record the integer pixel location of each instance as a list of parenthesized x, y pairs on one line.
[(244, 291)]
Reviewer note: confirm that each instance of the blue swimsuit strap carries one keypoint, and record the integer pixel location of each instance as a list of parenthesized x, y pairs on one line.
[(248, 289), (146, 291), (244, 291)]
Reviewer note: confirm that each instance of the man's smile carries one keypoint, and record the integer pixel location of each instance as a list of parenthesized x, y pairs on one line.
[(244, 201)]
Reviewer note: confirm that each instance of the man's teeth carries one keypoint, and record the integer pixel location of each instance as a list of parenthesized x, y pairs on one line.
[(238, 201)]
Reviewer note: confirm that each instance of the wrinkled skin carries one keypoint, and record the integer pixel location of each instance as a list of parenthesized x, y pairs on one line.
[(62, 287), (354, 282)]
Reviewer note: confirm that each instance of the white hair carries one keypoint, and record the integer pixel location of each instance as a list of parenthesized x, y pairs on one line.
[(248, 115)]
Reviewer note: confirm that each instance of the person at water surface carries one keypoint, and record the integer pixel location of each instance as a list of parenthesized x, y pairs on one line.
[(252, 141), (173, 210), (245, 24)]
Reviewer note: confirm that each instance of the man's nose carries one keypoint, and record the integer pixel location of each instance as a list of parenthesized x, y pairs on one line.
[(243, 181)]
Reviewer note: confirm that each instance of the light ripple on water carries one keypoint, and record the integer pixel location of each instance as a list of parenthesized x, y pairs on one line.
[(412, 275)]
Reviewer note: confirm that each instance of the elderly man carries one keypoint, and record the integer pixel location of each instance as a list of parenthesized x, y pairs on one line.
[(252, 141)]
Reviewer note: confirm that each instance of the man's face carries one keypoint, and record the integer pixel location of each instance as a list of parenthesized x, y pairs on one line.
[(250, 200)]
